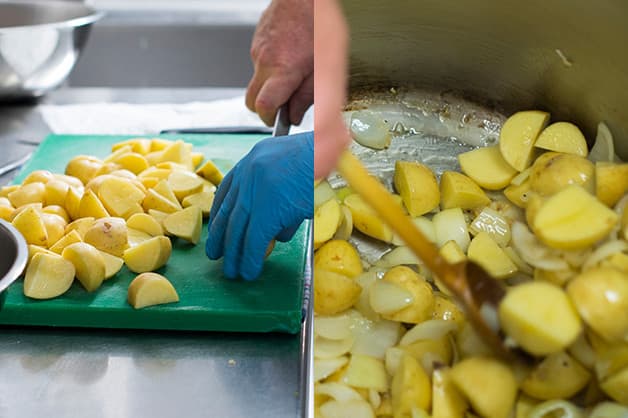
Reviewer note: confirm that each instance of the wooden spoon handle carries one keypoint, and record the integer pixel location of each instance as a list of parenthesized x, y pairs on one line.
[(376, 195)]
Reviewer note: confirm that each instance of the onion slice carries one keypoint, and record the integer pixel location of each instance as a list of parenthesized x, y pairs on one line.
[(533, 252), (336, 327), (604, 251), (338, 391), (323, 368), (432, 329), (604, 148), (398, 256), (388, 298), (324, 348), (370, 130)]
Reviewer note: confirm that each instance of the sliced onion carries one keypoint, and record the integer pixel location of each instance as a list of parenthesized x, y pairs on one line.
[(337, 391), (609, 410), (575, 258), (449, 224), (494, 224), (392, 359), (363, 305), (425, 225), (322, 193), (336, 327), (324, 348), (323, 368), (604, 251), (398, 256), (373, 338), (432, 329), (549, 409), (370, 130), (604, 148), (346, 409), (533, 252), (388, 298), (346, 225)]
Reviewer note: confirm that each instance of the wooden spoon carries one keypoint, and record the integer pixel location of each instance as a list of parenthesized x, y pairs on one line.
[(475, 289)]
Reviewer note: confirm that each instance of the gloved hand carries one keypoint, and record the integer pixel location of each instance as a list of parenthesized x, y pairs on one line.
[(265, 196)]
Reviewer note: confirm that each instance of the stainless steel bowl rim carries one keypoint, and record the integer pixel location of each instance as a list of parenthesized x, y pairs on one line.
[(92, 17), (21, 258)]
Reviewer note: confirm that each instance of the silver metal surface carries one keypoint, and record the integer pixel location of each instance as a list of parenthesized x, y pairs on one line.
[(13, 254), (39, 44), (68, 373), (282, 122), (562, 56)]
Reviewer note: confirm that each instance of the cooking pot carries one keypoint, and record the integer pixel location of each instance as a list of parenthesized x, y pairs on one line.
[(562, 56)]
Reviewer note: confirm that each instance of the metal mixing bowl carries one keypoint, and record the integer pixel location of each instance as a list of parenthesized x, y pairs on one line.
[(13, 254), (40, 42)]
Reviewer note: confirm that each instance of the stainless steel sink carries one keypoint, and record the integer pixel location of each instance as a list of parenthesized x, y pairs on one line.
[(158, 50)]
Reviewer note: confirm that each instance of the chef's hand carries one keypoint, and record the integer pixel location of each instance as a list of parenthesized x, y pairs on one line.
[(265, 196), (283, 56)]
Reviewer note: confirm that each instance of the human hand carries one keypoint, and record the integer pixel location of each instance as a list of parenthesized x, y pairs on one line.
[(265, 196), (283, 56), (331, 49)]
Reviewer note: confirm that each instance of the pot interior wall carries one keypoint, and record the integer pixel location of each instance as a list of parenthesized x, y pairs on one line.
[(562, 56)]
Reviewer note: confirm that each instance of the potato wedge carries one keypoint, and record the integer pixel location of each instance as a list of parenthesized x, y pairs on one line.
[(149, 289), (446, 400), (410, 387), (340, 257), (69, 238), (327, 218), (484, 251), (563, 137), (184, 184), (459, 191), (55, 192), (365, 219), (210, 172), (31, 225), (366, 372), (611, 182), (120, 197), (91, 206), (334, 292), (88, 262), (145, 223), (29, 193), (148, 255), (204, 200), (185, 224), (557, 376), (48, 276), (108, 235), (418, 187), (518, 135), (487, 167), (154, 200)]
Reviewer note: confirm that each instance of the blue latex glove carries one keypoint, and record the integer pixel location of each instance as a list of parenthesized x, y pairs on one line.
[(265, 196)]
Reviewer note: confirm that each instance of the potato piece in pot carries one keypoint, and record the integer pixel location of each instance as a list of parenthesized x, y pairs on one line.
[(421, 291), (366, 220), (611, 182), (410, 387), (340, 257), (487, 167), (484, 251), (418, 187), (557, 376), (553, 171), (459, 191), (334, 292), (616, 386), (446, 400), (601, 297), (539, 317), (563, 137), (488, 385), (518, 135)]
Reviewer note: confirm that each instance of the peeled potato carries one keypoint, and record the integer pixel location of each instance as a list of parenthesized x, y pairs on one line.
[(88, 262), (487, 167), (210, 172), (573, 219), (154, 200), (459, 191), (113, 264), (31, 225), (327, 217), (539, 317), (91, 206), (557, 376), (452, 253), (518, 135), (48, 276), (120, 197), (185, 224), (203, 200), (184, 184), (563, 137), (29, 193), (611, 182), (149, 289), (148, 255), (69, 238), (418, 187), (109, 235), (340, 257), (487, 384), (484, 251), (145, 223)]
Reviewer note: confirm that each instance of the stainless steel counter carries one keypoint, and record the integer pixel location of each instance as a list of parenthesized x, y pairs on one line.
[(83, 373)]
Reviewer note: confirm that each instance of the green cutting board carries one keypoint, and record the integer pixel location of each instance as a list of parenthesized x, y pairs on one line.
[(208, 300)]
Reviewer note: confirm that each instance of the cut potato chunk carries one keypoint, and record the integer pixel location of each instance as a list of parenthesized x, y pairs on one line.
[(557, 376), (88, 262), (35, 249), (29, 193), (615, 386), (539, 317), (484, 251), (149, 289), (119, 196), (132, 161), (573, 219), (113, 264), (148, 255), (552, 172), (56, 192), (518, 194), (446, 400), (136, 237), (31, 225), (80, 225), (563, 137), (366, 372), (410, 387), (38, 176), (204, 200), (452, 253), (459, 191), (487, 167), (210, 172), (177, 152), (164, 189), (518, 135), (340, 257), (418, 187), (423, 298), (184, 184), (91, 206), (488, 385), (601, 297), (145, 223), (611, 182), (327, 218), (139, 145), (48, 276), (55, 227), (366, 220), (73, 202), (109, 235), (154, 200), (69, 238), (334, 292), (83, 168), (185, 224)]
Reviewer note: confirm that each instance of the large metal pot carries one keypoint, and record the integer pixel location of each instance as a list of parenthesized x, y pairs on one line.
[(40, 42), (563, 56)]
